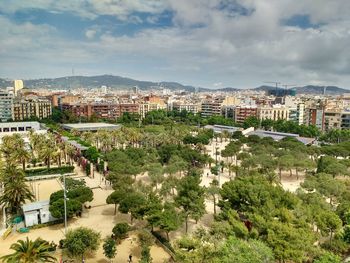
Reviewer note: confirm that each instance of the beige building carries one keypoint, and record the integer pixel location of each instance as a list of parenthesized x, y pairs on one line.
[(18, 85), (145, 107), (186, 106), (29, 109), (332, 119), (276, 112)]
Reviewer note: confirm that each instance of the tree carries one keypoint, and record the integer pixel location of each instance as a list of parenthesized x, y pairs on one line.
[(190, 197), (81, 240), (145, 254), (77, 195), (28, 251), (16, 191), (120, 230), (170, 219), (236, 250), (329, 223), (109, 248), (116, 197), (328, 257), (251, 121), (133, 203), (146, 240), (169, 185), (213, 191), (155, 173), (47, 149), (290, 243)]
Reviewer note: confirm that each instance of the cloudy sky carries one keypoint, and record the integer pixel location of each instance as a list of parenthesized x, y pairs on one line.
[(208, 43)]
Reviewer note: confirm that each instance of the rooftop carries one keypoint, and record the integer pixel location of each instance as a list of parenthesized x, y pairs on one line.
[(277, 136), (35, 205), (91, 126), (221, 128)]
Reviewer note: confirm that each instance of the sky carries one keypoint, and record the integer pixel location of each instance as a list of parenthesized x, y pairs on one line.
[(206, 43)]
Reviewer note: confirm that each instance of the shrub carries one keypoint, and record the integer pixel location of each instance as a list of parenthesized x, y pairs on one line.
[(53, 170), (120, 230)]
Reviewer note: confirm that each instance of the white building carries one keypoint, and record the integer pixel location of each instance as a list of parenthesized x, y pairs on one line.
[(6, 102), (37, 213), (22, 128)]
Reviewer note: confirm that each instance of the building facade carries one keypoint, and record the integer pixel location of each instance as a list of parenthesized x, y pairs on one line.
[(6, 101), (28, 109), (276, 112), (243, 112)]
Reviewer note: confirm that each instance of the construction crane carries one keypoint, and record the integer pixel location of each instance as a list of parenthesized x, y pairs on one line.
[(274, 82), (286, 87)]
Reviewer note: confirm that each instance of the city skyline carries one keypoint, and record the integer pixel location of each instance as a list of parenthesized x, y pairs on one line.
[(212, 44)]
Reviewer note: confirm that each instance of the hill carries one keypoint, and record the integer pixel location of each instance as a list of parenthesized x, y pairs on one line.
[(115, 82), (309, 89), (118, 82)]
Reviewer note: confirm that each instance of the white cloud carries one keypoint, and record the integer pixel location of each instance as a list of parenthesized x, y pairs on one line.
[(90, 33), (206, 44)]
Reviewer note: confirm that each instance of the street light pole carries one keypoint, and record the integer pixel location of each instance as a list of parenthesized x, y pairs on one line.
[(65, 204), (38, 196)]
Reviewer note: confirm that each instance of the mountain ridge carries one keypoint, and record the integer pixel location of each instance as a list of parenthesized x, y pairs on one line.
[(118, 82)]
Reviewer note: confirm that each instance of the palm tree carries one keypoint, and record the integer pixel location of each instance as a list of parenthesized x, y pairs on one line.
[(22, 155), (48, 150), (8, 148), (71, 151), (16, 191), (28, 251)]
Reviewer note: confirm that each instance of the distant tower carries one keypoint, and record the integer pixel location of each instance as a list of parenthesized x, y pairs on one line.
[(104, 89), (324, 90), (135, 90), (18, 85)]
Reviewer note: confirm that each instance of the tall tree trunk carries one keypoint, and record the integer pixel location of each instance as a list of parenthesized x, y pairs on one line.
[(24, 165), (214, 205), (186, 221), (115, 209), (280, 173)]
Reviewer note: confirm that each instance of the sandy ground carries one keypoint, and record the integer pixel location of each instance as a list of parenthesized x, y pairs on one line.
[(100, 217)]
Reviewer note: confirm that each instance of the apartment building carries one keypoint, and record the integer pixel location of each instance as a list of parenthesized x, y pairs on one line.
[(6, 101), (213, 106), (300, 113), (127, 107), (186, 106), (314, 116), (145, 107), (101, 110), (243, 112), (275, 112), (332, 119), (345, 120), (34, 108)]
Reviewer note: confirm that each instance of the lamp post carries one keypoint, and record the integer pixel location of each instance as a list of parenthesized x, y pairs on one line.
[(38, 196), (216, 155), (219, 167), (65, 204)]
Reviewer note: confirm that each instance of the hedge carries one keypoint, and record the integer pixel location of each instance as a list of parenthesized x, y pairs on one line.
[(53, 170)]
